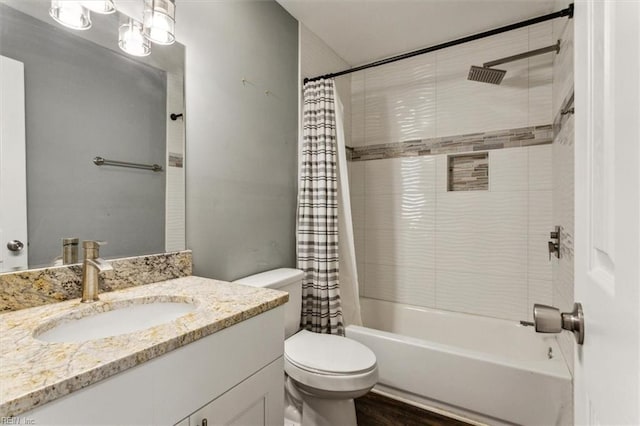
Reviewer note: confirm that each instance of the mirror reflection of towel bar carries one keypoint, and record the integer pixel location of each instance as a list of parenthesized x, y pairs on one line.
[(99, 161)]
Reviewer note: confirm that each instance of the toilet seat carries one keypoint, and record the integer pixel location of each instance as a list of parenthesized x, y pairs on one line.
[(329, 363)]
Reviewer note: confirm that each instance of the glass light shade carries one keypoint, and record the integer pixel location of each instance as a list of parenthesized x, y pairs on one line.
[(159, 21), (103, 7), (132, 40), (71, 14)]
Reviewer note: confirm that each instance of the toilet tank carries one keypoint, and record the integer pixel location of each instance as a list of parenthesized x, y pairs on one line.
[(283, 279)]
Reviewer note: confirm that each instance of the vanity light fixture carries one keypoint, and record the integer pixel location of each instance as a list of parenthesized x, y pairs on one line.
[(132, 40), (71, 14), (134, 37), (159, 21), (103, 7)]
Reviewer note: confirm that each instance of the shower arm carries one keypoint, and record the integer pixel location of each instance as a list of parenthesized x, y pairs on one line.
[(553, 48)]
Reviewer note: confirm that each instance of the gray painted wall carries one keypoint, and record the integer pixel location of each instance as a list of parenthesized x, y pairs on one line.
[(241, 144), (83, 101)]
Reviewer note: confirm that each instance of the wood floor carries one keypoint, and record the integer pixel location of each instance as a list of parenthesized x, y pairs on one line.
[(377, 410)]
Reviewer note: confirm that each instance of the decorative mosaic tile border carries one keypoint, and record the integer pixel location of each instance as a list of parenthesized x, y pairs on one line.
[(35, 287), (512, 138)]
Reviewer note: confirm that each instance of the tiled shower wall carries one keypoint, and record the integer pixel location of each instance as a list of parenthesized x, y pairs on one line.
[(429, 95), (480, 252)]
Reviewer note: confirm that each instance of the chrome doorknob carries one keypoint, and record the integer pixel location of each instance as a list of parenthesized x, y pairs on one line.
[(548, 319), (15, 245)]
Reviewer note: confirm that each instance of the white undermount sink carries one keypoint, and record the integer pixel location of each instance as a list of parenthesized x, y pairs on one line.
[(90, 324)]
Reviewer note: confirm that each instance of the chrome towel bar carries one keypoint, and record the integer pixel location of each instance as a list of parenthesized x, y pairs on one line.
[(99, 161)]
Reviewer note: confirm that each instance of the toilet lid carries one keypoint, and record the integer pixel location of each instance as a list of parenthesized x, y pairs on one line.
[(328, 353)]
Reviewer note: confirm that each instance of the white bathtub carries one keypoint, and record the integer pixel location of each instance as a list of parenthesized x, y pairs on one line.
[(483, 369)]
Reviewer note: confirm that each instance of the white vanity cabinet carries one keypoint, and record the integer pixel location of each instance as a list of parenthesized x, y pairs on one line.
[(233, 376), (255, 401)]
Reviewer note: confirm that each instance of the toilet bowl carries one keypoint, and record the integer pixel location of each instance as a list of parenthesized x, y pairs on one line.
[(324, 372)]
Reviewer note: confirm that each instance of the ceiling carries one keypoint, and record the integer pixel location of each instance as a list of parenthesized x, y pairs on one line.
[(362, 31)]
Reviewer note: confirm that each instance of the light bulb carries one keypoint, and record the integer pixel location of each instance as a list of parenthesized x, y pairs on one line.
[(71, 14), (159, 21), (131, 39)]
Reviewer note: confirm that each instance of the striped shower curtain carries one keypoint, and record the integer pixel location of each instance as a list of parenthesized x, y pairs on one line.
[(318, 212)]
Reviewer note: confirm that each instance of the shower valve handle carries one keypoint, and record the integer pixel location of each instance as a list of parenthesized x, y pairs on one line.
[(548, 319)]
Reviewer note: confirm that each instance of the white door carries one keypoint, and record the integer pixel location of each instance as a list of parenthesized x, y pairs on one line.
[(607, 210), (13, 181)]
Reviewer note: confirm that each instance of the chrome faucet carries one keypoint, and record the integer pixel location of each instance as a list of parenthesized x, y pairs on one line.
[(91, 267)]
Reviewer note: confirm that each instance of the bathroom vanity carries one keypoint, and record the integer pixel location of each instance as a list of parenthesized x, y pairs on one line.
[(222, 361)]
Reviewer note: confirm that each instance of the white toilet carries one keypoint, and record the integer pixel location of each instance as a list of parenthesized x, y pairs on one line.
[(323, 372)]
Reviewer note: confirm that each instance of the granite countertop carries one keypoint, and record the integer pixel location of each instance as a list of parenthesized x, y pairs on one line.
[(33, 372)]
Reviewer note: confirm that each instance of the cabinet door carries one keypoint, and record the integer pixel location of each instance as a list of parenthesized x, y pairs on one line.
[(258, 400)]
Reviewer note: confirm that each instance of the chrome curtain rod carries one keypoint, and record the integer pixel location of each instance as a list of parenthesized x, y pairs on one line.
[(564, 12), (99, 161)]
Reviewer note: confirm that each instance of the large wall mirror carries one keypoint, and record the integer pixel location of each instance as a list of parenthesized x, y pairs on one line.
[(85, 98)]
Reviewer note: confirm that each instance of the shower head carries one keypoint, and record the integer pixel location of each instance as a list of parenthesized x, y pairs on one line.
[(486, 74)]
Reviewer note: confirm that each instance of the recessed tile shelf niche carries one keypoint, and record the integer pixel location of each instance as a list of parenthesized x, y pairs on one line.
[(468, 172)]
